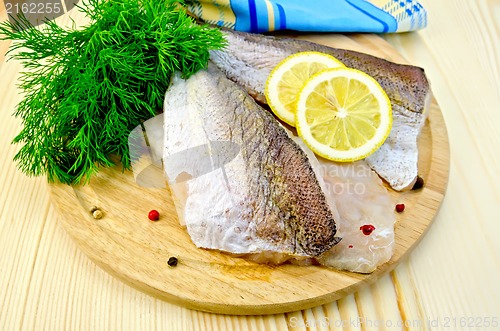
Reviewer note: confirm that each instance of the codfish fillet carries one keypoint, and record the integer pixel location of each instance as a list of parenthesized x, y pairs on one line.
[(361, 200), (249, 58), (263, 199)]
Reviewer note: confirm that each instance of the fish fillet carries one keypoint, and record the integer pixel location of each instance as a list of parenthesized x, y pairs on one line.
[(353, 191), (249, 58), (262, 199), (360, 199), (233, 194)]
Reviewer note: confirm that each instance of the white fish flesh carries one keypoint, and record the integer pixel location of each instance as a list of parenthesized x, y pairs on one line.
[(364, 213)]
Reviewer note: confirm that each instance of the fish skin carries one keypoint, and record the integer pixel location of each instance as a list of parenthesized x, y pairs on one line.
[(267, 198), (249, 58)]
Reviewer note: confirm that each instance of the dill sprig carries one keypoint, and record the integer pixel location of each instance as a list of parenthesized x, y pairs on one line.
[(86, 89)]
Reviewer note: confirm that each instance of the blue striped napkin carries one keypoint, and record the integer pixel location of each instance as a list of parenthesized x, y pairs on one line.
[(376, 16)]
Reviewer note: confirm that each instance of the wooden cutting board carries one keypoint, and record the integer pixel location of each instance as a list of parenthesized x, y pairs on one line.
[(129, 246)]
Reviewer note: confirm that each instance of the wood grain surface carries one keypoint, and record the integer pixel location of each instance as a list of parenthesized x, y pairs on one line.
[(451, 277), (126, 244)]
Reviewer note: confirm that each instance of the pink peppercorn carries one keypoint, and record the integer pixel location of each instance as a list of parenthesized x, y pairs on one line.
[(400, 207), (154, 215)]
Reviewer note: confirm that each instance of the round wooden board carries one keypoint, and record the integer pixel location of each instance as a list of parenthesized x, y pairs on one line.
[(129, 246)]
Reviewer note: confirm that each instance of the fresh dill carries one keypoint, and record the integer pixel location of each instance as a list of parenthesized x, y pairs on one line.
[(85, 89)]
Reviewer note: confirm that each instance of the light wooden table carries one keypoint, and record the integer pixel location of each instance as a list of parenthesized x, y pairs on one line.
[(450, 281)]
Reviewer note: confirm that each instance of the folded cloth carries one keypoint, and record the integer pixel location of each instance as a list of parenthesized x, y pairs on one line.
[(376, 16)]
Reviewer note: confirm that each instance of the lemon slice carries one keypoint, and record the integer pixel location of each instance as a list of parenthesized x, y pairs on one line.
[(288, 77), (343, 114)]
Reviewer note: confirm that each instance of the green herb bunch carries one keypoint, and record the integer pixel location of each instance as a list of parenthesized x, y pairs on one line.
[(86, 89)]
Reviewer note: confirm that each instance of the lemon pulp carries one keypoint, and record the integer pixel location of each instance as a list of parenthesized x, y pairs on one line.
[(288, 77), (343, 114)]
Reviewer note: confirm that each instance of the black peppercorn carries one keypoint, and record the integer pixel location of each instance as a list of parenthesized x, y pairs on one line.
[(172, 261), (418, 184)]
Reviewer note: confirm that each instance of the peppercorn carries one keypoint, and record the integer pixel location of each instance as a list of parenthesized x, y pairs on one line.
[(172, 261), (154, 215), (367, 229), (96, 212), (419, 183), (400, 207)]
